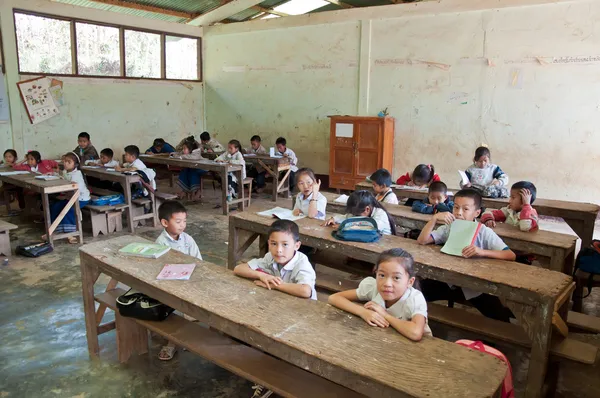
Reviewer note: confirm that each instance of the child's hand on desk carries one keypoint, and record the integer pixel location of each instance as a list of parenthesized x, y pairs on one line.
[(374, 318), (410, 184), (373, 306), (267, 281), (472, 251), (296, 212), (118, 168), (330, 222), (525, 196), (490, 223), (445, 217)]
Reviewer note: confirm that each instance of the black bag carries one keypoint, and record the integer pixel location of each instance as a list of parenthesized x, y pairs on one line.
[(137, 305), (34, 249), (588, 260)]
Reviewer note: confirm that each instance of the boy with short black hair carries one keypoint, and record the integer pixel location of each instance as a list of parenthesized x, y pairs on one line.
[(382, 182), (257, 172), (133, 163), (160, 146), (210, 144), (467, 206), (284, 151), (85, 150), (106, 159), (519, 211), (437, 200)]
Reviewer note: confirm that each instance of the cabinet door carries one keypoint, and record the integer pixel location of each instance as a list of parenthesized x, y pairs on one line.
[(342, 156), (368, 138)]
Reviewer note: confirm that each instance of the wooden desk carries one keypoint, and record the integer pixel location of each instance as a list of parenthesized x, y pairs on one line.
[(532, 293), (46, 188), (558, 249), (274, 166), (306, 333), (220, 168), (581, 217)]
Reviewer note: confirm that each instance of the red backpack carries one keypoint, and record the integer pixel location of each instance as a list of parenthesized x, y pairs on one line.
[(507, 386)]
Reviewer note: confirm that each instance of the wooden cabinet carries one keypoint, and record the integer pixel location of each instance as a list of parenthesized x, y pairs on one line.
[(359, 145)]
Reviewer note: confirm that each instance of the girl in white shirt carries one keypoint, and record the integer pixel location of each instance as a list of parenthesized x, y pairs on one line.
[(309, 201), (71, 173), (233, 156), (364, 204), (391, 299)]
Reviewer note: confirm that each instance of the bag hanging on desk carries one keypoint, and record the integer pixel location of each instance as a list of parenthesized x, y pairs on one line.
[(34, 249), (358, 229), (134, 304), (588, 260)]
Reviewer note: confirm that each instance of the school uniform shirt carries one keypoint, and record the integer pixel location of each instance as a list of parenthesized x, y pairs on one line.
[(388, 197), (77, 177), (45, 166), (293, 159), (526, 219), (486, 239), (260, 151), (410, 304), (166, 148), (405, 179), (482, 178), (297, 270), (109, 165), (380, 217), (185, 244), (425, 208), (139, 165), (214, 145), (236, 158), (89, 153), (179, 147), (303, 203)]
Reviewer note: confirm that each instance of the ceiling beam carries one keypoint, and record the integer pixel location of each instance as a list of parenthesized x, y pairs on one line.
[(270, 11), (340, 3), (223, 12), (142, 7)]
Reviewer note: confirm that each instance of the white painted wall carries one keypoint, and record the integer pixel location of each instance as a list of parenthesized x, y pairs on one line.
[(454, 74)]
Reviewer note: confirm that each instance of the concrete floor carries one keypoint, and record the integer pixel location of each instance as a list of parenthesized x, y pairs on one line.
[(43, 351)]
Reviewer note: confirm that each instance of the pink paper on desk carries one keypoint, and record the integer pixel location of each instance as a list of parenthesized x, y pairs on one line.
[(176, 272)]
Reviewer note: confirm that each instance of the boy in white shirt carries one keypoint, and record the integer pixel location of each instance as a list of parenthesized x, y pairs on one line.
[(210, 144), (254, 170), (173, 218), (382, 182), (106, 160), (133, 163), (284, 151)]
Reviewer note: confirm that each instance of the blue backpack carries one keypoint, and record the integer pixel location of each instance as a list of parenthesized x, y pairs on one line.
[(358, 229), (108, 200), (588, 260)]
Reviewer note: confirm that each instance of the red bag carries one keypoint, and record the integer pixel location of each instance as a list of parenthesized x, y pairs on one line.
[(507, 387)]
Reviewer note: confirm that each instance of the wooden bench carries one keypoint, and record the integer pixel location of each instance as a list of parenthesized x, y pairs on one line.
[(162, 197), (555, 251), (138, 212), (5, 228), (249, 363), (99, 216)]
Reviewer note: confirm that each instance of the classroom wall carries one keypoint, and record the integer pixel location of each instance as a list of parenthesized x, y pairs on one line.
[(522, 78), (116, 112)]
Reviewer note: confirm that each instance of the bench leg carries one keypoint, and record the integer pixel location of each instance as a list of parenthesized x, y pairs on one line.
[(89, 276), (99, 224), (578, 296), (132, 338), (5, 243), (540, 350)]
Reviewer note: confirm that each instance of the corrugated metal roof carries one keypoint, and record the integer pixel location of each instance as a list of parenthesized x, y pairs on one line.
[(123, 10)]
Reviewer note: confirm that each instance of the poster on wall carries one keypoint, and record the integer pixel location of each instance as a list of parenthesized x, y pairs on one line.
[(37, 99), (56, 89)]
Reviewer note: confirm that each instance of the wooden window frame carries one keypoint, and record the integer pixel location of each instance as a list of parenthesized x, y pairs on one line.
[(122, 28)]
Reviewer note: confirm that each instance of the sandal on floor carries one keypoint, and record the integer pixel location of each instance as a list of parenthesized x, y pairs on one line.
[(166, 353), (72, 240)]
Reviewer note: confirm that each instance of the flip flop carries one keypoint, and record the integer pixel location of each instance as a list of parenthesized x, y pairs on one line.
[(166, 353)]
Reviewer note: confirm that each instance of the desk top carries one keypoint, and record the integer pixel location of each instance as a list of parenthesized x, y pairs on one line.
[(518, 282), (267, 158), (193, 164), (29, 181), (104, 173), (310, 334)]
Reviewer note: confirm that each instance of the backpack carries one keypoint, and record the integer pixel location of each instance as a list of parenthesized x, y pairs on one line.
[(34, 249), (507, 386), (137, 305), (358, 229), (588, 260), (108, 200)]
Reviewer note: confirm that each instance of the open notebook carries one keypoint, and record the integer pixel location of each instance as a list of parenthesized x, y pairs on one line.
[(280, 213), (462, 234)]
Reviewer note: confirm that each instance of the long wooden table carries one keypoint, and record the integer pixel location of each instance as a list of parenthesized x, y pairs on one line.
[(532, 293), (581, 217), (220, 168), (558, 249), (274, 166), (46, 188), (306, 333)]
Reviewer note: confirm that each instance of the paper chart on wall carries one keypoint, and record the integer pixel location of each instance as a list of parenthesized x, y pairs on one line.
[(37, 99)]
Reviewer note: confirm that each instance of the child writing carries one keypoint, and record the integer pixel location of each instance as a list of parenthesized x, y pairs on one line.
[(71, 173), (422, 176), (391, 299), (133, 163), (284, 151), (233, 156), (364, 204), (519, 211), (10, 157), (173, 218), (467, 206), (309, 202), (210, 144), (179, 147), (160, 146), (382, 181), (256, 171), (486, 177), (437, 200), (33, 162), (189, 178), (85, 150), (106, 160)]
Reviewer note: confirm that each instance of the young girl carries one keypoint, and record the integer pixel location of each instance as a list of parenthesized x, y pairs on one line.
[(486, 177), (233, 156), (422, 176), (33, 162), (71, 173), (364, 204), (189, 179), (391, 299), (10, 157), (309, 201)]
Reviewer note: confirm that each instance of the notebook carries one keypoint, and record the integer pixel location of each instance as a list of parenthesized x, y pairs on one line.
[(462, 234), (147, 250), (342, 199), (463, 176), (280, 213), (176, 272), (47, 177), (13, 173)]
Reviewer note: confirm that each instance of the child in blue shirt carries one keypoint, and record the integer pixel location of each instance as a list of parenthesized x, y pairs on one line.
[(437, 200)]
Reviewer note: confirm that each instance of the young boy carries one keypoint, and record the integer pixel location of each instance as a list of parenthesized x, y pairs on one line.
[(133, 163), (254, 170), (467, 206), (382, 181), (437, 200), (210, 144), (519, 211), (284, 151), (85, 150), (173, 218), (106, 159), (160, 146)]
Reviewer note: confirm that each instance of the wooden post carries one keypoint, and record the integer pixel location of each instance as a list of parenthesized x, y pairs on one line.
[(47, 217), (224, 190), (233, 244), (131, 338), (89, 276), (540, 350), (129, 209)]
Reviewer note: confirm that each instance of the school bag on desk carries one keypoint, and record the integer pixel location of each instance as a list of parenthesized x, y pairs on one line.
[(588, 260), (358, 229)]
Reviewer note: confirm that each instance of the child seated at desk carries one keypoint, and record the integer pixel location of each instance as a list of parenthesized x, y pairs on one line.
[(422, 176), (519, 211), (486, 177), (133, 163), (33, 162), (71, 173), (85, 150), (233, 156), (364, 204), (10, 157), (391, 299), (160, 146), (467, 206), (309, 201), (254, 170), (173, 218), (191, 138), (283, 150), (437, 200), (189, 178), (210, 145), (106, 160), (382, 182)]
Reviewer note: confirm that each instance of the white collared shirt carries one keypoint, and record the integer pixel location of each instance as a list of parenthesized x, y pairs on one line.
[(410, 304), (77, 177), (297, 270), (303, 203), (388, 197), (184, 244), (293, 159), (236, 158)]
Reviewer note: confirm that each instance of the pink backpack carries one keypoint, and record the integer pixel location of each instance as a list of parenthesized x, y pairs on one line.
[(507, 387)]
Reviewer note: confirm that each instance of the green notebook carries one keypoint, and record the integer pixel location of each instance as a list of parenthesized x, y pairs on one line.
[(147, 250), (462, 234)]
